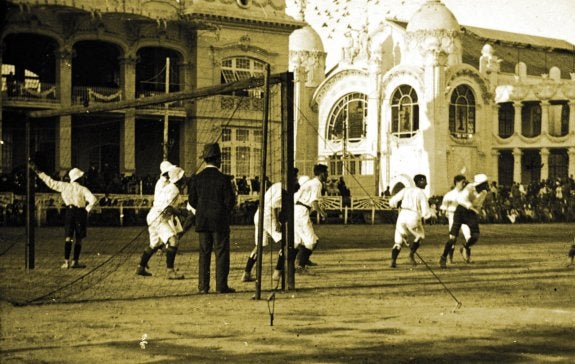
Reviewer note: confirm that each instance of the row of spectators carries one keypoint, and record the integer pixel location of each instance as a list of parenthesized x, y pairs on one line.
[(114, 183), (544, 201)]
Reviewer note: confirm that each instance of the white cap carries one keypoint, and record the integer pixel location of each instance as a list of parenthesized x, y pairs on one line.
[(165, 166), (175, 174), (75, 173), (479, 179)]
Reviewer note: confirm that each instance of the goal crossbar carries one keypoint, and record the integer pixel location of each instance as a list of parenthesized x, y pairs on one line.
[(159, 99)]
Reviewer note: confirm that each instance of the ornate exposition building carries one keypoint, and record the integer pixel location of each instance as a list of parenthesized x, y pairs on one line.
[(430, 96), (424, 96)]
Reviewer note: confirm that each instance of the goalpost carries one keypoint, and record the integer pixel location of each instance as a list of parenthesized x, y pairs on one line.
[(278, 99)]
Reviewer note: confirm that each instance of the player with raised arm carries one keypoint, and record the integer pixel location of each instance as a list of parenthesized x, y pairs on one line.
[(467, 212), (79, 202)]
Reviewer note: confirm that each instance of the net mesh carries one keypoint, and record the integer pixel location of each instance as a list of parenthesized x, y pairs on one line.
[(112, 254)]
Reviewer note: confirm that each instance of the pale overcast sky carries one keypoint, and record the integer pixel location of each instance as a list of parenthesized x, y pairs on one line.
[(547, 18)]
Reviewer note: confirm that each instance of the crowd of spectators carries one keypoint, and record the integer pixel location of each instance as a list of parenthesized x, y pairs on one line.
[(544, 201)]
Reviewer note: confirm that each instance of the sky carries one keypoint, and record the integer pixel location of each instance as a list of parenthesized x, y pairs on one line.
[(546, 18)]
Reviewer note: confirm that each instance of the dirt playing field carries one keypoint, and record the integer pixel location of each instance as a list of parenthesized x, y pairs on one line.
[(518, 304)]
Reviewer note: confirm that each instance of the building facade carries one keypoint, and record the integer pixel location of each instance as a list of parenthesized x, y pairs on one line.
[(424, 96), (62, 53), (430, 96)]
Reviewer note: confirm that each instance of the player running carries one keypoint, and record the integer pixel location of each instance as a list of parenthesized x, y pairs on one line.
[(449, 204), (414, 207), (467, 212)]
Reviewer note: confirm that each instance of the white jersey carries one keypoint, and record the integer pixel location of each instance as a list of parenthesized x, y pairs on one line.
[(412, 199), (72, 193), (303, 227), (469, 197), (449, 202), (309, 192), (414, 206), (272, 201)]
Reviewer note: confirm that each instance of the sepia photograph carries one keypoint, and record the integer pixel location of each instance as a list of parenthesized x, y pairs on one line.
[(299, 181)]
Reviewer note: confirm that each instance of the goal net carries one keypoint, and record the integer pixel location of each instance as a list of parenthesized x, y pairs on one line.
[(231, 114)]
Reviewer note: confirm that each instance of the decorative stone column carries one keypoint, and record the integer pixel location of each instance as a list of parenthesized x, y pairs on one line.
[(128, 128), (494, 163), (517, 153), (495, 120), (435, 137), (544, 117), (63, 142), (517, 106), (571, 125), (571, 154), (544, 152)]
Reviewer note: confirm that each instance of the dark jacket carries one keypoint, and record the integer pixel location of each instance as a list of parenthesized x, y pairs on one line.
[(211, 193)]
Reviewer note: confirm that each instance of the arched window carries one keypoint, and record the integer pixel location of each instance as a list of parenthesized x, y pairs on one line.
[(241, 68), (531, 119), (558, 118), (462, 112), (347, 120), (404, 112), (506, 119)]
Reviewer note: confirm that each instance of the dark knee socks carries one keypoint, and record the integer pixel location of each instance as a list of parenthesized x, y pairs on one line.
[(304, 254), (77, 250), (146, 255), (414, 246), (250, 263), (395, 254), (171, 256), (67, 249), (448, 247)]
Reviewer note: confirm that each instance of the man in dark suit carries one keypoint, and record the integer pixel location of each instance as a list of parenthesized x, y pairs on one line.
[(212, 196)]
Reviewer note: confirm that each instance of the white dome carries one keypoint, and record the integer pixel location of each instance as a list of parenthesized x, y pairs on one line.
[(433, 15), (305, 39)]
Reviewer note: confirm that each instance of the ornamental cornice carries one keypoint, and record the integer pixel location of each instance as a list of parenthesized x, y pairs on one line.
[(399, 73), (437, 40), (243, 44), (545, 89), (329, 83), (470, 73), (530, 140), (544, 140), (503, 141), (568, 89), (463, 141)]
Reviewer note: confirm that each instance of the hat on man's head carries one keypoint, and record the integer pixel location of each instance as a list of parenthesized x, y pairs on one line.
[(75, 173), (175, 174), (479, 179), (211, 150), (165, 166)]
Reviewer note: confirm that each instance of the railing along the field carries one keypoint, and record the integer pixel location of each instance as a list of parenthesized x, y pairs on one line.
[(140, 204)]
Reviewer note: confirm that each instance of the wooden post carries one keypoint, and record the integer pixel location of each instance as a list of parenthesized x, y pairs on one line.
[(30, 201), (287, 102), (264, 152)]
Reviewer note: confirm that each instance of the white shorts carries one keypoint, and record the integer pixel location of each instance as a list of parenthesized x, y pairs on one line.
[(270, 226), (162, 229), (408, 223), (303, 228)]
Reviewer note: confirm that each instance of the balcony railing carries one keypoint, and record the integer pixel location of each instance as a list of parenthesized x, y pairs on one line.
[(28, 90)]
